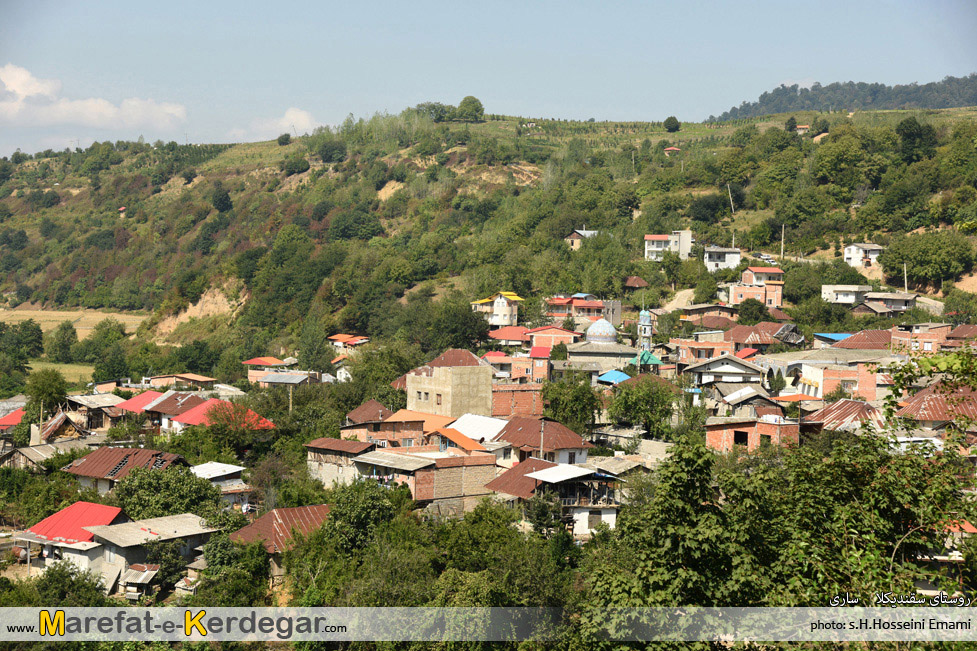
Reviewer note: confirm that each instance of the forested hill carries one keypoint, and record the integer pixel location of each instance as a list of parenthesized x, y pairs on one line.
[(389, 226), (952, 92)]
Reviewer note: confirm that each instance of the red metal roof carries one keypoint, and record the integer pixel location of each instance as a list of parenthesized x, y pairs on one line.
[(339, 445), (116, 463), (779, 314), (12, 419), (136, 404), (515, 482), (963, 331), (867, 340), (509, 333), (263, 361), (747, 352), (766, 270), (207, 412), (540, 352), (494, 353), (524, 432), (846, 413), (370, 411), (942, 403), (276, 528), (66, 525)]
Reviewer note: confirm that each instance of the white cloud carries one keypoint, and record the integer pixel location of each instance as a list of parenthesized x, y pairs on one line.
[(294, 121), (28, 101)]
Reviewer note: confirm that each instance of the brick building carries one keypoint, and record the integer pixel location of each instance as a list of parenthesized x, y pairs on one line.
[(726, 434), (454, 383)]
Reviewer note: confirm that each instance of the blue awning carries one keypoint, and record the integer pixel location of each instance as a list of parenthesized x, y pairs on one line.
[(613, 377)]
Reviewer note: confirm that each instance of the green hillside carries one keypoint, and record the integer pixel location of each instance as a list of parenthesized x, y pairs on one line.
[(356, 230)]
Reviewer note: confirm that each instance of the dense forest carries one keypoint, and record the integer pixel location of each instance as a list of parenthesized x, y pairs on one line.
[(951, 92)]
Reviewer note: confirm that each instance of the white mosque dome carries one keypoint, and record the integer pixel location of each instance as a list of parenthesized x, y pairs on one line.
[(601, 332)]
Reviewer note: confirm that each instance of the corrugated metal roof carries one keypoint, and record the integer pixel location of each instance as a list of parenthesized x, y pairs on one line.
[(406, 462), (509, 333), (459, 439), (370, 411), (116, 463), (455, 357), (97, 400), (540, 352), (170, 527), (285, 378), (137, 404), (524, 432), (276, 528), (560, 473), (214, 469), (613, 377), (866, 340), (847, 415), (479, 428), (431, 422), (206, 412), (174, 403), (515, 482), (139, 574), (339, 445), (12, 419), (942, 403), (66, 525)]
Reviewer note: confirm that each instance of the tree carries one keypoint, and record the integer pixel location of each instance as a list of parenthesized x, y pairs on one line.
[(705, 289), (62, 584), (752, 312), (166, 554), (671, 124), (918, 141), (543, 511), (790, 126), (284, 139), (930, 258), (111, 365), (146, 493), (470, 109), (778, 383), (357, 510), (648, 401), (46, 387), (220, 198), (572, 401), (58, 343), (332, 151)]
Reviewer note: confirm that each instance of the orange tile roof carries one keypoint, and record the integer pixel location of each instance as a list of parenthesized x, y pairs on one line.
[(431, 422), (263, 361), (459, 439)]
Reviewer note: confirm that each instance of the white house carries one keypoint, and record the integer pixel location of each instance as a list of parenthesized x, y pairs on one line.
[(719, 257), (862, 254), (724, 368), (679, 242), (844, 294)]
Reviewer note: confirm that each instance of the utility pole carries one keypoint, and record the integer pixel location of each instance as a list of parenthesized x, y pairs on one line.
[(731, 208), (905, 279), (290, 388), (782, 241)]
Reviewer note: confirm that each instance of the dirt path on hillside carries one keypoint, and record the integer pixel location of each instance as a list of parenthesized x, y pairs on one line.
[(682, 298)]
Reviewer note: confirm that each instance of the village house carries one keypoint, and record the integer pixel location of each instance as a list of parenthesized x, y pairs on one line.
[(939, 406), (182, 380), (510, 335), (276, 530), (403, 428), (549, 336), (828, 339), (583, 308), (920, 337), (289, 379), (751, 434), (454, 383), (847, 415), (56, 429), (122, 547), (862, 254), (32, 458), (135, 407), (867, 340), (235, 492), (749, 400), (214, 411), (632, 283), (893, 301), (764, 284), (720, 257), (701, 346), (577, 236), (105, 467), (821, 371), (501, 309), (161, 411), (258, 366), (763, 335), (331, 460), (345, 342), (11, 420), (560, 444), (678, 242), (371, 411), (698, 312), (96, 412), (845, 294), (518, 399), (724, 368)]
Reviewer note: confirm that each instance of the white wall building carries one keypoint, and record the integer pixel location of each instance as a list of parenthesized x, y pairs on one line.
[(679, 242), (844, 294), (720, 257), (862, 254)]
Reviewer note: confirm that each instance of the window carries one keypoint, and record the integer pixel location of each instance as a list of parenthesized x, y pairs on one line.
[(572, 458), (549, 456), (427, 396), (741, 438), (915, 345), (928, 345), (109, 553), (507, 453), (769, 301), (418, 395), (765, 441), (437, 398)]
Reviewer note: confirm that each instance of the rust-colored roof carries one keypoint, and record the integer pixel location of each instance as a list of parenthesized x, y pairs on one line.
[(400, 383), (276, 528), (657, 237), (867, 340), (515, 482), (941, 402), (778, 314), (431, 421), (455, 357), (370, 411), (635, 282), (55, 423), (459, 439), (713, 322), (651, 377), (750, 335), (178, 402), (116, 463), (846, 414), (963, 331), (509, 333), (263, 361), (766, 270), (524, 432), (339, 445)]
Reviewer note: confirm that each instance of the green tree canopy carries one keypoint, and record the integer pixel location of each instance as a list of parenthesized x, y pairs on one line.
[(671, 124), (470, 109), (752, 312), (145, 493)]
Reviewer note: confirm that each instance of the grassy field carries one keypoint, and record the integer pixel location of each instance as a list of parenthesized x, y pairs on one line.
[(83, 320), (71, 372)]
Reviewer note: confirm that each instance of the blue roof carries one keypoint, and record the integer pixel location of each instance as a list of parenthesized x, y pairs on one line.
[(580, 295), (614, 377), (833, 336)]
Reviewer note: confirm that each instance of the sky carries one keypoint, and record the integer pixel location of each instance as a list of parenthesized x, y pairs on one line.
[(74, 72)]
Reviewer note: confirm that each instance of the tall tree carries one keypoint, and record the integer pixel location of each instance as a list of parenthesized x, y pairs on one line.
[(470, 109)]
